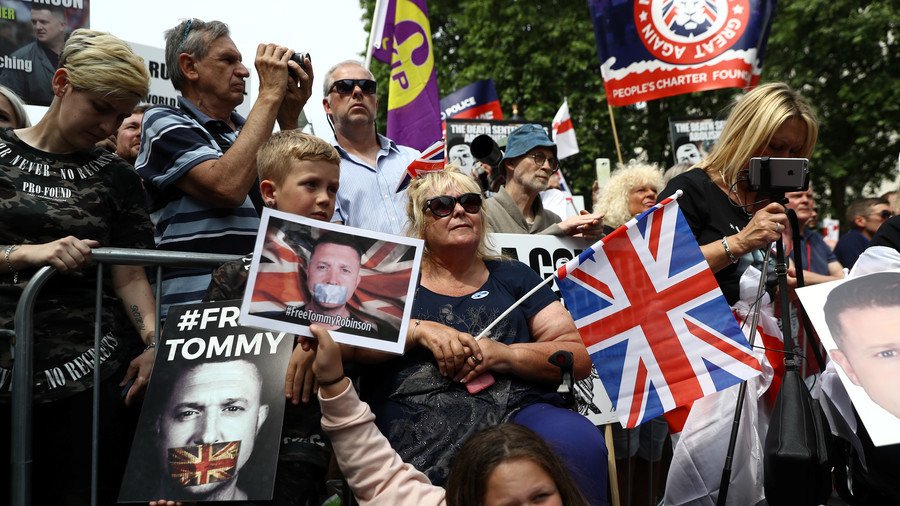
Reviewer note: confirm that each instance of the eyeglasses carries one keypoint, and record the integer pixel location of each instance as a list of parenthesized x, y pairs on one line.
[(884, 214), (345, 87), (442, 205), (539, 159)]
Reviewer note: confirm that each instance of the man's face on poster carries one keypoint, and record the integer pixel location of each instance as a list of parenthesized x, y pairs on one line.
[(870, 352), (213, 403), (687, 153), (461, 155), (47, 26), (333, 274)]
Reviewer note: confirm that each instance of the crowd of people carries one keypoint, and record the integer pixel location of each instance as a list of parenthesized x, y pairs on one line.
[(100, 170)]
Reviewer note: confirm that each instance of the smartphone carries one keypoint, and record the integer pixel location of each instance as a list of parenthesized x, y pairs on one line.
[(779, 174), (602, 165), (480, 383)]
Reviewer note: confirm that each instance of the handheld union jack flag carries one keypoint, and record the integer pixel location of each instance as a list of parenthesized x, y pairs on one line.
[(432, 159), (653, 318), (198, 465)]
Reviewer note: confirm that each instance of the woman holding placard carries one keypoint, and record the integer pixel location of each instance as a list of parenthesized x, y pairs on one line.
[(421, 400)]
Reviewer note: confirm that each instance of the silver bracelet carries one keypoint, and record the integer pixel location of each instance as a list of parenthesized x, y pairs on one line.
[(728, 252), (15, 273), (150, 346)]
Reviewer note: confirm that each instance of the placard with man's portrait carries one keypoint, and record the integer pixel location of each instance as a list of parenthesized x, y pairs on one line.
[(210, 425), (857, 320), (356, 283)]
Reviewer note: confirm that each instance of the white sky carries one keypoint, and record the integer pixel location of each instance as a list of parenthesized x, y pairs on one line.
[(330, 31)]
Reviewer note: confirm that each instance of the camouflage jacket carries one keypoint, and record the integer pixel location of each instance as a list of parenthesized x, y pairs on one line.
[(44, 197)]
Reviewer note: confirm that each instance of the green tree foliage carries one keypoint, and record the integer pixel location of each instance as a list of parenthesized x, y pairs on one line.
[(841, 54)]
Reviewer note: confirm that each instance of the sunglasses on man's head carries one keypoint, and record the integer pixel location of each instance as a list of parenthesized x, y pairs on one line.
[(345, 86), (443, 205)]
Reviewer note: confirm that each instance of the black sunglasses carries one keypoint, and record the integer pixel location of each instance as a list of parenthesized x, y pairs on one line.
[(884, 214), (442, 205), (345, 87)]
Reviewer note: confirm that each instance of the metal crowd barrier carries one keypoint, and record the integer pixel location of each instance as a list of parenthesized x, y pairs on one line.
[(23, 369)]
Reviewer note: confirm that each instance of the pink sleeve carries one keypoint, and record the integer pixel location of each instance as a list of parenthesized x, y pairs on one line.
[(377, 475)]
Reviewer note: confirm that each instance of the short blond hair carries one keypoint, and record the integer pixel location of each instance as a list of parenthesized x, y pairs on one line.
[(613, 202), (438, 183), (103, 63), (274, 157), (754, 119)]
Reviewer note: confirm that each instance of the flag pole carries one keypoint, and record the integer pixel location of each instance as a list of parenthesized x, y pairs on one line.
[(612, 121), (372, 33), (487, 330)]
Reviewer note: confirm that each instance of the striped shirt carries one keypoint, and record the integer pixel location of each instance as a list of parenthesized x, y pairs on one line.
[(172, 143), (367, 197)]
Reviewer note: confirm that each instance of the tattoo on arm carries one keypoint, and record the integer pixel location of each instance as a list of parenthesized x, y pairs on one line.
[(138, 319)]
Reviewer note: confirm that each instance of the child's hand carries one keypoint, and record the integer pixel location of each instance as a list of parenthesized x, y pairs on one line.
[(327, 367), (299, 382)]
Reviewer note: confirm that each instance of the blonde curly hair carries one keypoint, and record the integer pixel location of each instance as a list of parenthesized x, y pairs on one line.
[(613, 201)]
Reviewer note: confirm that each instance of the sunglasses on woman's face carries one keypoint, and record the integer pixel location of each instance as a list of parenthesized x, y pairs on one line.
[(443, 205), (345, 87)]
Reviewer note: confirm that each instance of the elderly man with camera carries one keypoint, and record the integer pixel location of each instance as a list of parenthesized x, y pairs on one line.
[(198, 160)]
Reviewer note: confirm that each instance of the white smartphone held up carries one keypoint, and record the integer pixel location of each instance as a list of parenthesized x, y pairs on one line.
[(602, 165)]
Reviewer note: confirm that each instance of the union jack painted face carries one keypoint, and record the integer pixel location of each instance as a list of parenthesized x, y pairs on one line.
[(212, 404), (192, 466)]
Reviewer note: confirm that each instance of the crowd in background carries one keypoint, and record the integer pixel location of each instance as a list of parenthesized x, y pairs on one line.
[(100, 170)]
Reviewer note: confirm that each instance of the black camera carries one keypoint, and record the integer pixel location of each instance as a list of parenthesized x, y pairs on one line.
[(300, 58), (486, 150), (772, 176)]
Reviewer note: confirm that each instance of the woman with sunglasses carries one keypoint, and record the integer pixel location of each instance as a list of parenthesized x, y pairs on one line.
[(61, 197), (420, 399)]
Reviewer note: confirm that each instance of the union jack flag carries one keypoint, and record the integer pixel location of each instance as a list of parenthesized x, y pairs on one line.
[(198, 465), (653, 318), (281, 278), (432, 159)]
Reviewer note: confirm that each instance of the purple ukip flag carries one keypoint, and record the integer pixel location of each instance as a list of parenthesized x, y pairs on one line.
[(414, 113)]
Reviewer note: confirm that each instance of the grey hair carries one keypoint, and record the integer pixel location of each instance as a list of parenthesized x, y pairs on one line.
[(329, 81), (200, 34)]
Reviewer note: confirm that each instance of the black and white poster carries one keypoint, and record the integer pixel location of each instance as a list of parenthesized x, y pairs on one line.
[(211, 422)]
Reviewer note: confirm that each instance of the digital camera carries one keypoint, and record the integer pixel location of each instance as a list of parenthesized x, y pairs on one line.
[(778, 175), (300, 58)]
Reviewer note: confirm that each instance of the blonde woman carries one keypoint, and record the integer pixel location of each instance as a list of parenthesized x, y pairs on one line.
[(60, 196), (630, 191), (420, 399), (732, 223)]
